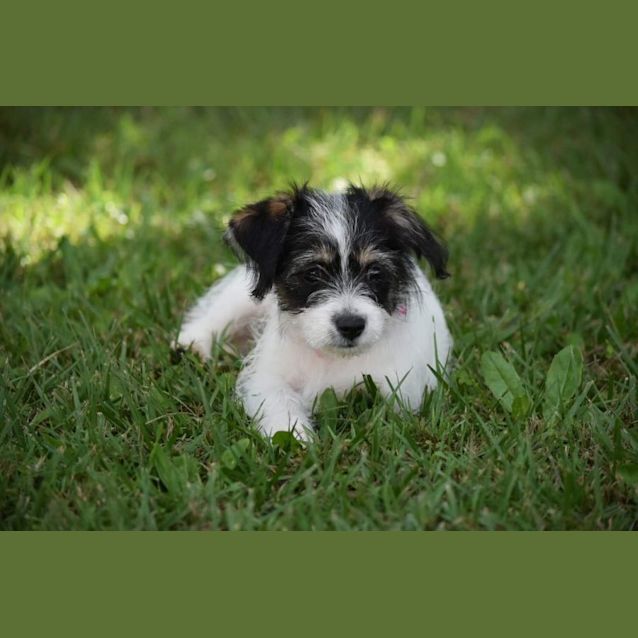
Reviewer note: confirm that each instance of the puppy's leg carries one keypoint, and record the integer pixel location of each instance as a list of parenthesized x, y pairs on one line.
[(226, 305), (274, 405)]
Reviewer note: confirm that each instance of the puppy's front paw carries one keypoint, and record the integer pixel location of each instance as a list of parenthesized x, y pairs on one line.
[(196, 343), (302, 430)]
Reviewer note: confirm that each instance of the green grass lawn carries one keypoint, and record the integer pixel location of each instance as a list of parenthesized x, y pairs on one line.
[(111, 224)]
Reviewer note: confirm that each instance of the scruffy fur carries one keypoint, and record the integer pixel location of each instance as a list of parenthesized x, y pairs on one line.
[(332, 290)]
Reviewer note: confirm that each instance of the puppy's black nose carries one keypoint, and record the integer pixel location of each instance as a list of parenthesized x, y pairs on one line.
[(350, 326)]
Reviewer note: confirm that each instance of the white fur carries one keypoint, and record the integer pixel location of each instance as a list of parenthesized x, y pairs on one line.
[(295, 357), (227, 305), (328, 211)]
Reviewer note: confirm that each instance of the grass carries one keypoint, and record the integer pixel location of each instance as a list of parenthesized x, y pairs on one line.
[(111, 223)]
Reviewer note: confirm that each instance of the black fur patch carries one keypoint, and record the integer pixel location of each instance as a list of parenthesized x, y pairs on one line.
[(259, 230), (401, 225), (287, 245)]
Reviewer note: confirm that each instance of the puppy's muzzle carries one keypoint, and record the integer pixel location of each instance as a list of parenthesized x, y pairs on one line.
[(350, 326)]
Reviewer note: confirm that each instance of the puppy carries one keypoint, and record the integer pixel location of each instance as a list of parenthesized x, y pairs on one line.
[(334, 290)]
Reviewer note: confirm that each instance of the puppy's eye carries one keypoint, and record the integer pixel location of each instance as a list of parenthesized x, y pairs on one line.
[(374, 273), (313, 274)]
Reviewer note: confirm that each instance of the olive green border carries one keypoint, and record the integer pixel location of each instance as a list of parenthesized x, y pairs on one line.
[(492, 52), (341, 53), (379, 584)]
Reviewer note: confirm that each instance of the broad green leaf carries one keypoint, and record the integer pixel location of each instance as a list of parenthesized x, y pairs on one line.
[(520, 406), (242, 445), (229, 460), (231, 456), (285, 441), (563, 380), (502, 380)]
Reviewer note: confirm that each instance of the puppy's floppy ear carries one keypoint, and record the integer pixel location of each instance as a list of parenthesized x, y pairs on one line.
[(409, 230), (259, 231)]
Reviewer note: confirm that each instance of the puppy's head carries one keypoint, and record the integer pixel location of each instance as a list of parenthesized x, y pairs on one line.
[(340, 264)]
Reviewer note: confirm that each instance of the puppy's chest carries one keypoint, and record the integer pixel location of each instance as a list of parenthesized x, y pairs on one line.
[(312, 373)]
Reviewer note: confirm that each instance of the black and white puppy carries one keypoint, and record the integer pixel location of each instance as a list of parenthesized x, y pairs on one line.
[(333, 288)]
